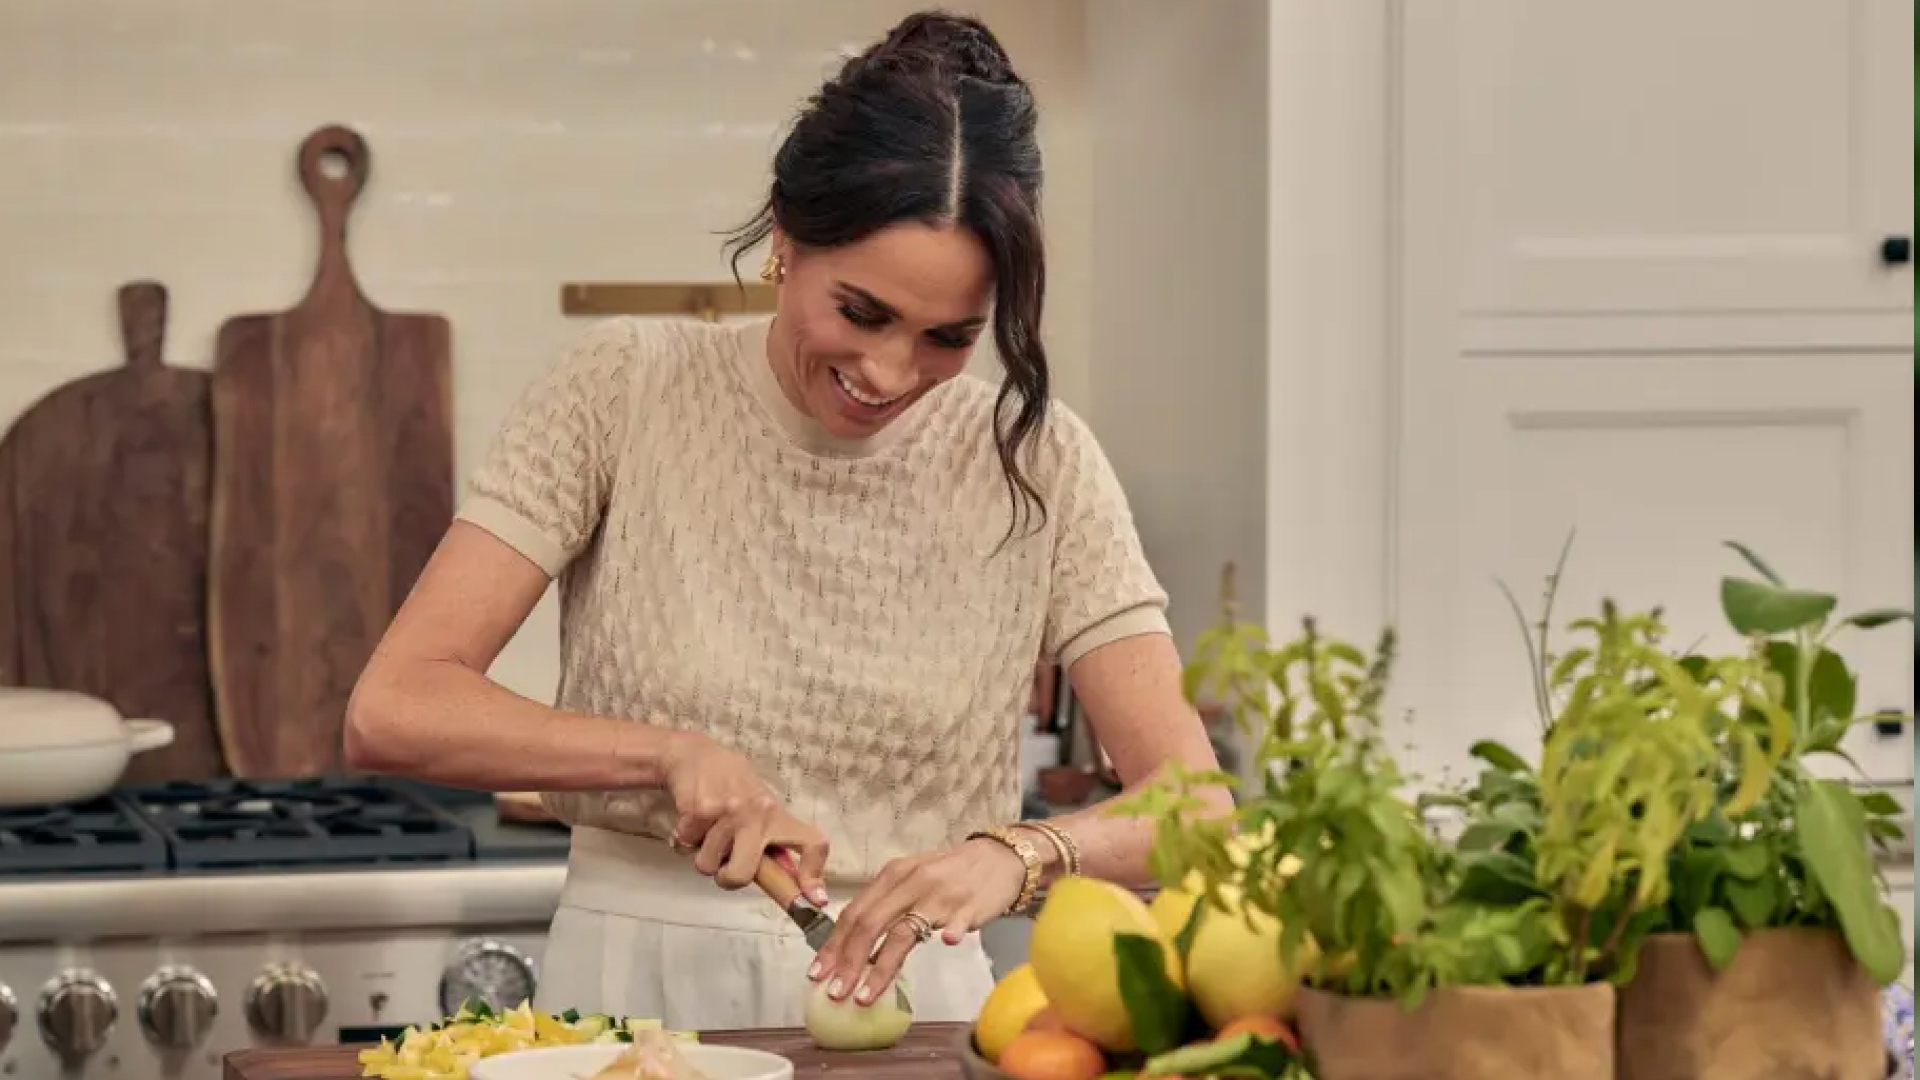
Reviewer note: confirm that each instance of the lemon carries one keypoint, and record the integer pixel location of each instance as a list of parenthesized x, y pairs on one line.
[(1171, 908), (1072, 954), (1012, 1005), (1234, 969)]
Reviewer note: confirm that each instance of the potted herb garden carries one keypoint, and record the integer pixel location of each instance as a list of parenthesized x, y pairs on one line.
[(1771, 952), (1495, 956), (1666, 889)]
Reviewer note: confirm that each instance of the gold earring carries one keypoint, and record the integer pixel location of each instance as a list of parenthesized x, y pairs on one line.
[(774, 270)]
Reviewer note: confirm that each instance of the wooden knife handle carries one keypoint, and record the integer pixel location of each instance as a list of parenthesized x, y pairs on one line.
[(779, 878)]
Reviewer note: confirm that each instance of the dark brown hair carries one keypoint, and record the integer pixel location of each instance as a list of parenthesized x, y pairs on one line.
[(931, 125)]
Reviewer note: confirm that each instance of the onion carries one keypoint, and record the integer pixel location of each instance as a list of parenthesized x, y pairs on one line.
[(849, 1025)]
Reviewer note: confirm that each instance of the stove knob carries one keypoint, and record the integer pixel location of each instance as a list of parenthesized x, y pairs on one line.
[(492, 971), (286, 1003), (9, 1015), (77, 1013), (176, 1008)]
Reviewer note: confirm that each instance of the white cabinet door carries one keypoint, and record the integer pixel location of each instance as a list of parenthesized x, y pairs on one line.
[(1640, 156), (1623, 157)]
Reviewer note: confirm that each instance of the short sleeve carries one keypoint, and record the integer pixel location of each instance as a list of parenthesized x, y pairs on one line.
[(544, 484), (1103, 589)]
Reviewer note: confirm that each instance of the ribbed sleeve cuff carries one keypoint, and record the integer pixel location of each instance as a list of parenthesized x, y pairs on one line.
[(516, 532), (1126, 623)]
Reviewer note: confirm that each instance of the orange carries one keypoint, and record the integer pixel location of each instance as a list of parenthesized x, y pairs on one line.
[(1270, 1028), (1052, 1055)]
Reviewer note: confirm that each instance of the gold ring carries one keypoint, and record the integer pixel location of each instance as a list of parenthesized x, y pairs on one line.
[(922, 927)]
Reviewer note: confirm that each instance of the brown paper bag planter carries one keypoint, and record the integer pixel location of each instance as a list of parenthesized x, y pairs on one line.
[(1793, 1005), (1464, 1033)]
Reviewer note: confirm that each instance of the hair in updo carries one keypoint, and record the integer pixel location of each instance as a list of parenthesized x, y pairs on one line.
[(931, 125)]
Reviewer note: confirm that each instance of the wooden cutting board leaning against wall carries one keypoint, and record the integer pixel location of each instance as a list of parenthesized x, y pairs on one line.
[(332, 484), (103, 543)]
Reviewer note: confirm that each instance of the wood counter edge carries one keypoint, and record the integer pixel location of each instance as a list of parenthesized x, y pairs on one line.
[(926, 1044)]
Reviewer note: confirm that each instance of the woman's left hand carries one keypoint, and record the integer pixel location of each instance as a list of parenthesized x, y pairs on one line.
[(956, 891)]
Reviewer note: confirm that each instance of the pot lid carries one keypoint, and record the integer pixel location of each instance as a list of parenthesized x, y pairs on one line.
[(33, 719)]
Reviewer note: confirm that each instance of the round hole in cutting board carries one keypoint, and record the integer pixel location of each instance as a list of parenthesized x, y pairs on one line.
[(333, 165)]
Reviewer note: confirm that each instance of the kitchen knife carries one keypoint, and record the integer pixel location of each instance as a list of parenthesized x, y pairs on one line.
[(779, 878)]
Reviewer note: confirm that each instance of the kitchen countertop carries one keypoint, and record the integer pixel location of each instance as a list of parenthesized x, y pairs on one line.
[(927, 1053)]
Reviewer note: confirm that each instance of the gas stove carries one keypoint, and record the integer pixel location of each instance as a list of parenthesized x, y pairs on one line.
[(150, 932)]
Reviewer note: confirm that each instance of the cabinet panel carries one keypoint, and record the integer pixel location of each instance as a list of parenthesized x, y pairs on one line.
[(1652, 462), (1564, 166), (1640, 156)]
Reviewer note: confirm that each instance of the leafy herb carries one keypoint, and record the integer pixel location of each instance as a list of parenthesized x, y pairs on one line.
[(1719, 938), (1800, 854), (1154, 1003), (1240, 1056), (1355, 915), (1229, 664), (1756, 608), (1629, 766), (1832, 844)]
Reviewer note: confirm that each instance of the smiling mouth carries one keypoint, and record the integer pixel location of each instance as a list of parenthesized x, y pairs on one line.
[(860, 396)]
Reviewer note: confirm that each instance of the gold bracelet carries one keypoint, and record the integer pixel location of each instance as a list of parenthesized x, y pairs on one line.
[(1029, 858), (1069, 851)]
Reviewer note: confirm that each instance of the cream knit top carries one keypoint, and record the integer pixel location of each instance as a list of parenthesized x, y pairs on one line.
[(835, 611)]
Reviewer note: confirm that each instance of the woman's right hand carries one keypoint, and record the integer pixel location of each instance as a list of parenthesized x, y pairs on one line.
[(727, 812)]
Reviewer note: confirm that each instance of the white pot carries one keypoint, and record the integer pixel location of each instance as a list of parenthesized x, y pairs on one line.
[(58, 746)]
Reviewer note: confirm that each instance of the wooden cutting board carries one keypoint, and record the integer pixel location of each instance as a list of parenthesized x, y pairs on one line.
[(929, 1052), (332, 484), (103, 543)]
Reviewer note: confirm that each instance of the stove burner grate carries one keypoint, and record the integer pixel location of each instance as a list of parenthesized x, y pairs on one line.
[(96, 836), (234, 824)]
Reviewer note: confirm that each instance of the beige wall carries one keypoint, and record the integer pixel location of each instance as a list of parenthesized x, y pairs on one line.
[(1177, 102), (517, 144)]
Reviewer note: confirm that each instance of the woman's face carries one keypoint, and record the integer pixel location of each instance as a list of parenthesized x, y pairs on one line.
[(862, 331)]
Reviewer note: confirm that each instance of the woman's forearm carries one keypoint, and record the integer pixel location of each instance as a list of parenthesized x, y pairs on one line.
[(1131, 690), (1113, 847), (443, 722)]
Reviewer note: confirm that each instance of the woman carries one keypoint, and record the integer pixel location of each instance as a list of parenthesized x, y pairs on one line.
[(805, 570)]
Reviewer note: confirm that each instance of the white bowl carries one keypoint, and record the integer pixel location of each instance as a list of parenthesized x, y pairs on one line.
[(581, 1062)]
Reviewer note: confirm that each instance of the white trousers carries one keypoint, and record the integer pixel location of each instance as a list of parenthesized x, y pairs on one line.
[(640, 933)]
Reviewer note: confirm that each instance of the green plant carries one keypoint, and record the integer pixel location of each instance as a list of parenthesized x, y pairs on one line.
[(1635, 747), (1230, 662), (1374, 896), (1670, 791), (1799, 855)]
